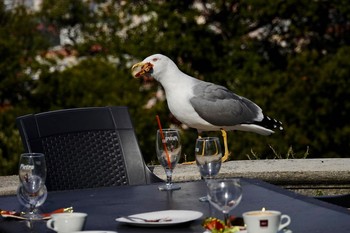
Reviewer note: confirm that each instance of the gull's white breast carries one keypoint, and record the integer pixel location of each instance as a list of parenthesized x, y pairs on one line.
[(178, 96)]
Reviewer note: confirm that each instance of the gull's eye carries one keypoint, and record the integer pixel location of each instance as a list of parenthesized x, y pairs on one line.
[(155, 59)]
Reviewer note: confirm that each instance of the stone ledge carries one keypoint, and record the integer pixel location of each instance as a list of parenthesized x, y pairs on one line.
[(8, 185), (307, 176), (293, 171)]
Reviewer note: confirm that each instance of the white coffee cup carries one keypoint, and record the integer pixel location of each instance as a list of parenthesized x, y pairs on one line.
[(66, 222), (268, 221)]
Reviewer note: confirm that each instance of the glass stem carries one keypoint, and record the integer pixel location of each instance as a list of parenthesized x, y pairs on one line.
[(207, 178), (31, 209), (227, 219), (169, 175)]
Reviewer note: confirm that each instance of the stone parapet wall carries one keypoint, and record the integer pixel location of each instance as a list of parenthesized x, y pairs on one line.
[(307, 176), (8, 185)]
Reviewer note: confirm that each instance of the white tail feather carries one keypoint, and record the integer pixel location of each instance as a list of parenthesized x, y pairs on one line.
[(252, 128)]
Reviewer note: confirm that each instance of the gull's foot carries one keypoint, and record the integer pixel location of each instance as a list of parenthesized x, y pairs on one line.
[(225, 157), (189, 163)]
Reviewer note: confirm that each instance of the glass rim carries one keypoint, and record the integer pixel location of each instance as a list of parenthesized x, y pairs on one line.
[(218, 180), (33, 154), (168, 130), (207, 138)]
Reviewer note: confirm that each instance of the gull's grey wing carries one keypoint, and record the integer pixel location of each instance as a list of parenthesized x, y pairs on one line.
[(219, 106)]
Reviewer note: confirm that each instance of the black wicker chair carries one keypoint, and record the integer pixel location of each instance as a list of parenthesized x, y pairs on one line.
[(86, 147)]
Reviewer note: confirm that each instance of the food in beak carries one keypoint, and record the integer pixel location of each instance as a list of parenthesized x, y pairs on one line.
[(140, 69)]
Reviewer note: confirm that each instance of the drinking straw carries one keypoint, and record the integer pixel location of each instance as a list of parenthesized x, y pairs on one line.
[(163, 141)]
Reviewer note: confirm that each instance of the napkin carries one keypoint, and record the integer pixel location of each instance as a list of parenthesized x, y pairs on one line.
[(19, 215)]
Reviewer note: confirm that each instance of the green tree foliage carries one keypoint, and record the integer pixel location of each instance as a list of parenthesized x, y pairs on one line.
[(290, 57), (20, 40)]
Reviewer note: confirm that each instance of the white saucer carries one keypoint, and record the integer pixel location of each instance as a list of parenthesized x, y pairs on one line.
[(94, 232), (173, 217)]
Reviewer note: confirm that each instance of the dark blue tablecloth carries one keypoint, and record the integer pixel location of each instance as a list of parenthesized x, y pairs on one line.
[(104, 205)]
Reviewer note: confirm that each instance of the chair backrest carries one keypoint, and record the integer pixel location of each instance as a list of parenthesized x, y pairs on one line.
[(86, 147)]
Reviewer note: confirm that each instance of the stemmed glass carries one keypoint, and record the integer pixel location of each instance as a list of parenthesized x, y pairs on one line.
[(32, 191), (208, 155), (224, 195), (27, 200), (168, 146)]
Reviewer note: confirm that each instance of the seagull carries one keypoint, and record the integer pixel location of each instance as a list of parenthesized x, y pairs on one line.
[(203, 105)]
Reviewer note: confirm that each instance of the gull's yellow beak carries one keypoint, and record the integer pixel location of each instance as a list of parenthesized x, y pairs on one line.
[(140, 69)]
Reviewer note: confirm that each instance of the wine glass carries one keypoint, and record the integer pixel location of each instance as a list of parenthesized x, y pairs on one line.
[(168, 147), (208, 155), (32, 176), (28, 200), (224, 195)]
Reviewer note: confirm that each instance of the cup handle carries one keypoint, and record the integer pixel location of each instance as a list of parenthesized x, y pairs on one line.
[(50, 224), (283, 225)]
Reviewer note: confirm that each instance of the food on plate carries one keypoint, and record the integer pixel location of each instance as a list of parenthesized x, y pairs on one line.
[(215, 225)]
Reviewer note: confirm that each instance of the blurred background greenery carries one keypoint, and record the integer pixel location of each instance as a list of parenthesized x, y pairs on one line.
[(290, 57)]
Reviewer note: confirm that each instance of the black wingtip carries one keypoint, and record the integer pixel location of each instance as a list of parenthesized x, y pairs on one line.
[(270, 123)]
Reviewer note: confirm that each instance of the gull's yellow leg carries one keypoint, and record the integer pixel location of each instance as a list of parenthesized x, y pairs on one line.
[(226, 153)]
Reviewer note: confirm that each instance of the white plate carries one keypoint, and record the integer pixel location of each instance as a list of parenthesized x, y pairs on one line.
[(281, 231), (173, 217), (94, 232)]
